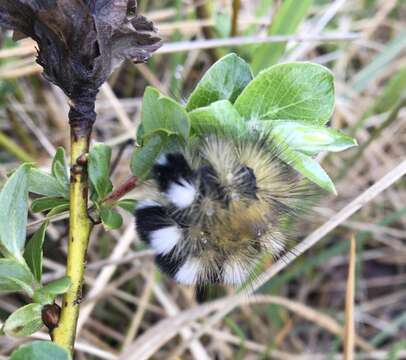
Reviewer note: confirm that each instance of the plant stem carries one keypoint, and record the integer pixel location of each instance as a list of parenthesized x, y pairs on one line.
[(81, 119), (130, 184)]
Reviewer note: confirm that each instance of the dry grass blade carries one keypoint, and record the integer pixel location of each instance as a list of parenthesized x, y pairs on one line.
[(349, 330), (196, 348), (162, 332), (317, 28), (136, 321), (106, 274), (183, 46), (118, 108), (324, 321), (147, 344)]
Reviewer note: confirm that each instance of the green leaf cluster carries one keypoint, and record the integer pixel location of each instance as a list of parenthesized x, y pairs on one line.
[(292, 102), (99, 175), (54, 186), (21, 261), (165, 125)]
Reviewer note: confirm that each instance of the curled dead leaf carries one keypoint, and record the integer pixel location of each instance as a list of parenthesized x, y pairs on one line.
[(80, 42)]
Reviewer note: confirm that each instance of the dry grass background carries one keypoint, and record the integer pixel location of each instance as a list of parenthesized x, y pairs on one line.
[(129, 311)]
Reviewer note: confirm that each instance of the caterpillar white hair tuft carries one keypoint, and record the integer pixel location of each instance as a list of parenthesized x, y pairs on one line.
[(222, 204)]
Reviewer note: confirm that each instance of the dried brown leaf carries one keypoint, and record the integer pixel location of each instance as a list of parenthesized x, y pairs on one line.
[(81, 42)]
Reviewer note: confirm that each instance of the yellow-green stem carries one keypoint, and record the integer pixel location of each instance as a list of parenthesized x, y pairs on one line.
[(79, 232)]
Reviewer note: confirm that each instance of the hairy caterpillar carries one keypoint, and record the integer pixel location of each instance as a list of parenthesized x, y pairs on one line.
[(220, 205)]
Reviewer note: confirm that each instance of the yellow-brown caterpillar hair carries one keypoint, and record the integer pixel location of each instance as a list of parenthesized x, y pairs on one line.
[(221, 204)]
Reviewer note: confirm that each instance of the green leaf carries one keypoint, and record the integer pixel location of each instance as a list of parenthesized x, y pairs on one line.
[(47, 203), (43, 298), (161, 114), (225, 80), (111, 219), (40, 350), (309, 168), (47, 294), (310, 138), (14, 213), (98, 167), (41, 183), (285, 22), (25, 321), (60, 168), (33, 252), (58, 209), (294, 91), (58, 287), (143, 158), (218, 116), (14, 276), (128, 205)]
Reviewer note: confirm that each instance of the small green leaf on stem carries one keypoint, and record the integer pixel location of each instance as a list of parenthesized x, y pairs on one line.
[(225, 80), (161, 114), (143, 158), (58, 287), (48, 293), (60, 168), (42, 183), (128, 205), (15, 276), (111, 219), (98, 167), (58, 210), (33, 252), (25, 321), (47, 203), (40, 350), (14, 212)]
